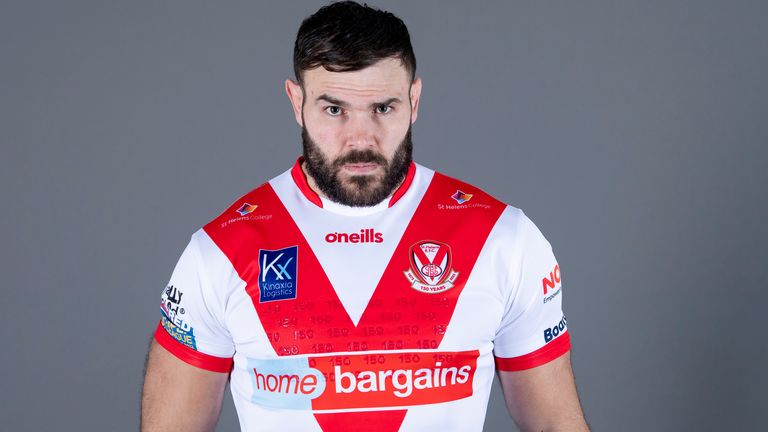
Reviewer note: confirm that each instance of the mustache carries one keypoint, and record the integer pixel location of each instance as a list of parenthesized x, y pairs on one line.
[(360, 156)]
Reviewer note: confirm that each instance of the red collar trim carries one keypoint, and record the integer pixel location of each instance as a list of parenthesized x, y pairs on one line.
[(404, 185), (301, 181)]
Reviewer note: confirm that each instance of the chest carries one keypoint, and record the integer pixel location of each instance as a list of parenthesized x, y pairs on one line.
[(413, 277), (349, 289)]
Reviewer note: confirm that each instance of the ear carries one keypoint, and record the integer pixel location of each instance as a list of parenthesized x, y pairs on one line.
[(415, 95), (296, 96)]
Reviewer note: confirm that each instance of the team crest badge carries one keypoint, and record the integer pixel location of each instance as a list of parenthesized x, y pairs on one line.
[(431, 267)]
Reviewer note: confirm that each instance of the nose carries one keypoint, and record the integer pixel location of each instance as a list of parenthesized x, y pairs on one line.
[(360, 131)]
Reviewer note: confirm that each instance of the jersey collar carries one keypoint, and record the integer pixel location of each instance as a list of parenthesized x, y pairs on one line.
[(301, 182)]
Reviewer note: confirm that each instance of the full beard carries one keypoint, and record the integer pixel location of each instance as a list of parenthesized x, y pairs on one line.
[(357, 190)]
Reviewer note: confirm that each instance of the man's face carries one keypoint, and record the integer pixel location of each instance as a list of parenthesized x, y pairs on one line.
[(356, 130)]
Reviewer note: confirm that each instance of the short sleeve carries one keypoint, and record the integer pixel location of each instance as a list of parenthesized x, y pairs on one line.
[(533, 330), (190, 315)]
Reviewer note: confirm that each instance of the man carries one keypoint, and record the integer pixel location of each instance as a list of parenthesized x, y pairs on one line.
[(359, 290)]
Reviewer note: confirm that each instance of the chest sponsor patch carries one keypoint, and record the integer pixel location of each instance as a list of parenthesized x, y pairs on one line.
[(431, 267), (278, 275), (364, 380)]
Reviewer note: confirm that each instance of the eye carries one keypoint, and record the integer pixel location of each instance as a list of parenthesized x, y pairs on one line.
[(333, 111), (383, 109)]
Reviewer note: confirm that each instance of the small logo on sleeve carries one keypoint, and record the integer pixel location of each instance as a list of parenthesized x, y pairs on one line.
[(174, 318), (278, 274), (555, 331), (551, 282)]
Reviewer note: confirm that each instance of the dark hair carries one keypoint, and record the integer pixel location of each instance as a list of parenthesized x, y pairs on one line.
[(347, 36)]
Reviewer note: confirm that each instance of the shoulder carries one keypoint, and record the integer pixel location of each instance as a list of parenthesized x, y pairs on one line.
[(455, 194), (462, 200), (242, 209), (212, 245), (253, 207), (466, 201)]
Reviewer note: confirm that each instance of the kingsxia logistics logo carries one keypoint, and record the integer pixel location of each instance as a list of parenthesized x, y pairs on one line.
[(370, 380), (278, 275), (174, 317), (431, 267)]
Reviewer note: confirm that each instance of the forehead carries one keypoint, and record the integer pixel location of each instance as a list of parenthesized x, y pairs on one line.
[(386, 77)]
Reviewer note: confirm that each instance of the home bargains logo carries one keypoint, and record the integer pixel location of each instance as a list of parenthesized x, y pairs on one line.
[(278, 275), (431, 270), (370, 380)]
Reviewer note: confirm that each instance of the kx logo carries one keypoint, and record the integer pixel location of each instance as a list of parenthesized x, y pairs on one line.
[(280, 269), (278, 274)]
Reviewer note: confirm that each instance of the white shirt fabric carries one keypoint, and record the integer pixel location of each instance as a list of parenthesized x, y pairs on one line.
[(384, 318)]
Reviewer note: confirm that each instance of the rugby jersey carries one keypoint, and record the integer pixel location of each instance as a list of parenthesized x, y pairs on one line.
[(384, 318)]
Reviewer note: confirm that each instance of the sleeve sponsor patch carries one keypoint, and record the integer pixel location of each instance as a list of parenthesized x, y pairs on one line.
[(173, 317), (555, 331), (551, 283), (186, 337)]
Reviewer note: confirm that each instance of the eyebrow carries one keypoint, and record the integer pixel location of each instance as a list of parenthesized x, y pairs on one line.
[(341, 103)]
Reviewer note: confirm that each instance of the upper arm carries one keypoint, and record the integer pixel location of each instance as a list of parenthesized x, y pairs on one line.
[(532, 343), (544, 398), (178, 396), (533, 330), (191, 354)]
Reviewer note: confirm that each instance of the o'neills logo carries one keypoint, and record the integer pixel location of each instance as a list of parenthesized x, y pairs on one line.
[(366, 235), (431, 270), (370, 380)]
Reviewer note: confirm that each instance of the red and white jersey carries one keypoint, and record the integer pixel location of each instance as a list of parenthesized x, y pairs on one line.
[(384, 318)]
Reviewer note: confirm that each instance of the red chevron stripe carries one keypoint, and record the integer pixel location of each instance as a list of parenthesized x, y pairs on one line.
[(397, 316)]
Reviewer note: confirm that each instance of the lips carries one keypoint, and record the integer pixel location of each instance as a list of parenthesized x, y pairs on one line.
[(361, 168)]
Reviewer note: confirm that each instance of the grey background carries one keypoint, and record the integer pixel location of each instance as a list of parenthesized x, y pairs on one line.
[(633, 133)]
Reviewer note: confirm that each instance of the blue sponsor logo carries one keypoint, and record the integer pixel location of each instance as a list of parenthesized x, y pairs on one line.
[(555, 331), (278, 274), (183, 332)]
